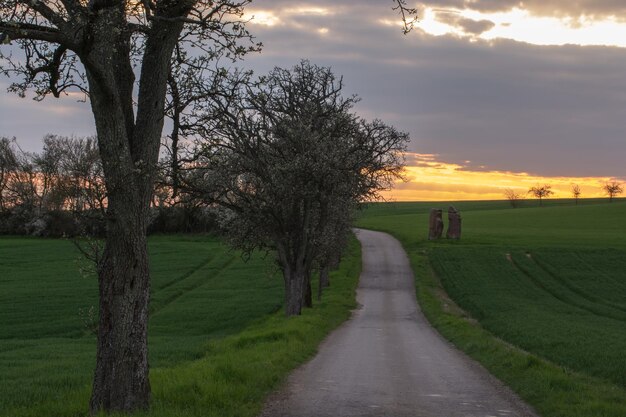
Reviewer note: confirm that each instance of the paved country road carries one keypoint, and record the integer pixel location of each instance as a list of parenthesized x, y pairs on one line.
[(387, 360)]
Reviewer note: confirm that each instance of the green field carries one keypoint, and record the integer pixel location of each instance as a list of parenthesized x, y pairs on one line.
[(538, 295), (541, 291), (218, 341)]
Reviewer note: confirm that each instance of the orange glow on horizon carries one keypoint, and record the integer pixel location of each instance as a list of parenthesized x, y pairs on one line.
[(433, 180)]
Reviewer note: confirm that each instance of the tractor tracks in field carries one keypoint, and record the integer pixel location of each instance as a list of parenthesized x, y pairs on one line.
[(589, 304), (191, 284), (187, 274), (618, 283), (578, 291)]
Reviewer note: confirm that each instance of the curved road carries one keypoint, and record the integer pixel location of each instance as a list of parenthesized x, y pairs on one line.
[(387, 360)]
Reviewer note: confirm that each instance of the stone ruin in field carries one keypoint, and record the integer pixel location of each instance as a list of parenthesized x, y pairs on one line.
[(435, 224)]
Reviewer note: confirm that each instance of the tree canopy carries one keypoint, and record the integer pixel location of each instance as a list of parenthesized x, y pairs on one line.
[(289, 160), (612, 189), (541, 192)]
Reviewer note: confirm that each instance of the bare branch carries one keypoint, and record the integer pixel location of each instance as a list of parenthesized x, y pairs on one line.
[(52, 68), (73, 7), (409, 15), (137, 28), (23, 30), (46, 12)]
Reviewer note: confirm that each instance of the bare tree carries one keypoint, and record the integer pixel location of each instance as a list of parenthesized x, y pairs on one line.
[(612, 189), (8, 163), (48, 167), (21, 185), (513, 196), (120, 54), (541, 192), (409, 15), (81, 172), (576, 192)]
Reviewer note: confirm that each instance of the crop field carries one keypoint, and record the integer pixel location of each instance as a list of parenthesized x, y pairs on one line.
[(218, 341), (548, 281)]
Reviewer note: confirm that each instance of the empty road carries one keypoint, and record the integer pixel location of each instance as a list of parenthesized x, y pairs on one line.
[(387, 360)]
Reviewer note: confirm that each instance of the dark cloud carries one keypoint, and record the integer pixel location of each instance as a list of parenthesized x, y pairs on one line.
[(445, 4), (475, 27), (510, 106), (469, 26), (416, 159), (504, 105)]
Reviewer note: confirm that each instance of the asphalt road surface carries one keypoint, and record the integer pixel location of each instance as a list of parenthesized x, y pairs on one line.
[(388, 361)]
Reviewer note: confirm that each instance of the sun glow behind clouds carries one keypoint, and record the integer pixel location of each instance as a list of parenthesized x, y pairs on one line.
[(520, 25), (432, 180), (285, 16), (262, 17), (308, 10)]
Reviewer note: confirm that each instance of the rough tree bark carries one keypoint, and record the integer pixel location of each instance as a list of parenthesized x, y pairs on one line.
[(129, 150), (324, 280), (308, 293), (296, 274), (294, 289)]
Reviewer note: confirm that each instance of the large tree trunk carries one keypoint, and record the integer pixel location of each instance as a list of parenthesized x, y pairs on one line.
[(129, 149), (324, 280), (295, 279), (295, 259), (121, 377), (308, 291), (294, 290)]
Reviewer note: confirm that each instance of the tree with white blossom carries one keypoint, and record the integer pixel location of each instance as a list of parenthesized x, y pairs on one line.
[(288, 161)]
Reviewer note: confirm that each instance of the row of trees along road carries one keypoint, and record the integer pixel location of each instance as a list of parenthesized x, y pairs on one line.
[(288, 161), (121, 54)]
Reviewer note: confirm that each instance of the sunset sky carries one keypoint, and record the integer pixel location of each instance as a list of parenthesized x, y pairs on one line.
[(495, 94)]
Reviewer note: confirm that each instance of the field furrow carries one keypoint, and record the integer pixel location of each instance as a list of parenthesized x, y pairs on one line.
[(560, 289), (47, 353)]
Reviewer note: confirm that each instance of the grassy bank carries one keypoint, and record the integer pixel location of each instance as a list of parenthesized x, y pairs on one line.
[(218, 339), (537, 295)]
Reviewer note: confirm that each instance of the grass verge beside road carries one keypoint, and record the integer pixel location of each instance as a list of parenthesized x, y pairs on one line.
[(219, 341), (540, 293)]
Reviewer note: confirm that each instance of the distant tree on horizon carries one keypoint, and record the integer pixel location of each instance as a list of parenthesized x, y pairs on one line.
[(541, 192), (612, 189), (513, 196), (576, 192)]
